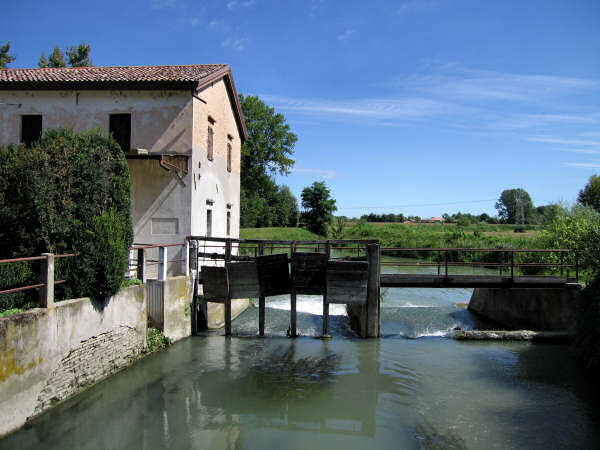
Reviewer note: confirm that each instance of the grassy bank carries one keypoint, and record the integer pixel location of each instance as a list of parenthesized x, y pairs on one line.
[(279, 234)]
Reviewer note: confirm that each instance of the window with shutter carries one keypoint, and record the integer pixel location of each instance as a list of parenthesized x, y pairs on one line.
[(209, 144)]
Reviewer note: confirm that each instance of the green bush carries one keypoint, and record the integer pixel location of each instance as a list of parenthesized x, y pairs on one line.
[(68, 193), (156, 340)]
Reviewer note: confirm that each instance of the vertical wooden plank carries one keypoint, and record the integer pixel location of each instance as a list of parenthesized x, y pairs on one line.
[(141, 265), (228, 316), (293, 296), (325, 304), (325, 316), (228, 251), (261, 299), (373, 319)]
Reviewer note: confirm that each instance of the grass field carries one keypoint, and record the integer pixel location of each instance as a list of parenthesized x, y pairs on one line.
[(415, 235)]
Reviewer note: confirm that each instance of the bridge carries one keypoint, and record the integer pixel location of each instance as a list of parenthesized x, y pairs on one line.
[(352, 272)]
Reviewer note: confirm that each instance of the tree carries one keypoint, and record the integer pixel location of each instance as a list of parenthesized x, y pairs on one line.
[(56, 58), (318, 208), (270, 142), (590, 194), (515, 206), (79, 56), (5, 58), (43, 62), (266, 152), (69, 193)]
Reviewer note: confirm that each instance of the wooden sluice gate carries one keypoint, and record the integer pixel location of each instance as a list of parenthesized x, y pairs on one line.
[(242, 270)]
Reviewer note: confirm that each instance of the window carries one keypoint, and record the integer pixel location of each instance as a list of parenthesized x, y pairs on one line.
[(120, 127), (209, 223), (228, 157), (228, 223), (31, 129), (209, 144)]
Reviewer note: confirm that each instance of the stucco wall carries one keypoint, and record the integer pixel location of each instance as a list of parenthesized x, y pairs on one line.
[(47, 355), (161, 121), (528, 309), (211, 180)]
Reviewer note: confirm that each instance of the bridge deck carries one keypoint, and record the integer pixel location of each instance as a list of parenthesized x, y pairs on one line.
[(471, 281)]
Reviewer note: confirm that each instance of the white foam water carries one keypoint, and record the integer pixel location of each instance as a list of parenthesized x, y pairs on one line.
[(307, 304)]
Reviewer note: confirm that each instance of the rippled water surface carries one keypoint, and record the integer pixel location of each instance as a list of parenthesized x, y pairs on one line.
[(307, 393)]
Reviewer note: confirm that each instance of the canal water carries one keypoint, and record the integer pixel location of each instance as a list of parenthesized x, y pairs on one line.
[(414, 388)]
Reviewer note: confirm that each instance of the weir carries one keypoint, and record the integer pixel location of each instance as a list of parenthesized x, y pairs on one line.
[(349, 272)]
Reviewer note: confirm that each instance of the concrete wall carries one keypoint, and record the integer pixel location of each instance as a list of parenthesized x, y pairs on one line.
[(178, 295), (48, 355), (528, 309)]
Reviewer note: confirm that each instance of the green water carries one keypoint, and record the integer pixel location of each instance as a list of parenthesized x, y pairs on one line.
[(278, 393)]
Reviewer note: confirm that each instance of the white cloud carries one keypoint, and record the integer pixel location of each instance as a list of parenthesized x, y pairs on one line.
[(418, 5), (235, 44), (478, 85), (592, 164), (345, 35), (325, 174), (215, 23), (564, 141), (377, 108), (166, 4), (195, 21), (235, 4)]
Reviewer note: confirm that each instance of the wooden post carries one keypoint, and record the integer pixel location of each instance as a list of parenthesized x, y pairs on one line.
[(325, 304), (512, 267), (293, 297), (162, 266), (446, 264), (439, 261), (47, 277), (141, 265), (373, 319), (261, 299), (228, 298)]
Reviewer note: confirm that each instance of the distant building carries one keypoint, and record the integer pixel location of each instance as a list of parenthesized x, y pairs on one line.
[(435, 219), (181, 128)]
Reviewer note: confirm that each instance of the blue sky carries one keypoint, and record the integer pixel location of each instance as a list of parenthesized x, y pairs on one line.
[(419, 106)]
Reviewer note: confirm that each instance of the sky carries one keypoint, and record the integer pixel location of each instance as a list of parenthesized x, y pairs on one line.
[(419, 107)]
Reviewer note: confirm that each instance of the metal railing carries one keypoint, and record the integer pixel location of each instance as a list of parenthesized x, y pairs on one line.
[(504, 260), (142, 260), (47, 276)]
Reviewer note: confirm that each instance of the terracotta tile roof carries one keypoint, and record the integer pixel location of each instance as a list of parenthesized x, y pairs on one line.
[(99, 75)]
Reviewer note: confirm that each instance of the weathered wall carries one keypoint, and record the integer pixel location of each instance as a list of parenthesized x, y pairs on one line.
[(161, 121), (47, 355), (528, 309), (178, 294), (211, 180)]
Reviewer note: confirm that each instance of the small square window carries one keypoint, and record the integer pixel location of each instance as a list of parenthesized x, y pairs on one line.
[(31, 129)]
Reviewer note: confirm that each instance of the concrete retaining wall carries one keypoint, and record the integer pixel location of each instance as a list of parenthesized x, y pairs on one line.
[(178, 294), (48, 355), (528, 309)]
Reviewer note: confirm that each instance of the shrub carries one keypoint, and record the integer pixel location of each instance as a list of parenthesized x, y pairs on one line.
[(69, 193), (156, 340)]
